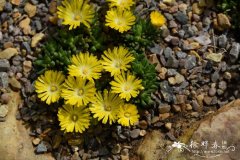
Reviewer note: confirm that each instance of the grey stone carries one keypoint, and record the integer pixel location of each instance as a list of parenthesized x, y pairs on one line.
[(196, 17), (222, 85), (8, 7), (195, 105), (165, 32), (26, 46), (207, 100), (156, 49), (135, 133), (103, 151), (16, 32), (1, 36), (116, 149), (181, 17), (4, 65), (168, 16), (172, 24), (206, 21), (190, 62), (220, 92), (181, 33), (166, 91), (175, 41), (38, 25), (3, 79), (41, 148), (35, 2), (10, 28), (212, 91), (234, 52), (181, 55), (222, 41), (4, 16), (168, 52), (172, 62), (171, 72), (16, 60), (215, 76), (189, 32)]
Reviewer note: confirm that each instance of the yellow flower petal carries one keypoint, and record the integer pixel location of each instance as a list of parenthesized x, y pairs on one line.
[(49, 85), (75, 12), (73, 118), (120, 19)]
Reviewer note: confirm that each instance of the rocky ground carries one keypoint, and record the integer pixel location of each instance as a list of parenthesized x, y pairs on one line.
[(197, 62)]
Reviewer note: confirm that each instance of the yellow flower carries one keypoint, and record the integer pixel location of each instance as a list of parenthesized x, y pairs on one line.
[(86, 66), (116, 60), (122, 4), (119, 19), (74, 118), (77, 91), (128, 115), (106, 106), (157, 19), (48, 86), (127, 85), (74, 12)]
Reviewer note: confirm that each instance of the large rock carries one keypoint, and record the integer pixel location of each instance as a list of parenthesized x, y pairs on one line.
[(150, 148), (220, 131), (14, 137)]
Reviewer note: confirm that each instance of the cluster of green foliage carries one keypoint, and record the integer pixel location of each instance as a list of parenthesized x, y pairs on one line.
[(231, 7), (142, 35), (146, 71)]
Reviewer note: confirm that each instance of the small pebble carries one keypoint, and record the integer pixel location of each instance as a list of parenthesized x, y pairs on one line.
[(36, 141), (168, 126)]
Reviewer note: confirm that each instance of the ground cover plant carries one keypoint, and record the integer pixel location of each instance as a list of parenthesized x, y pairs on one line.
[(95, 67)]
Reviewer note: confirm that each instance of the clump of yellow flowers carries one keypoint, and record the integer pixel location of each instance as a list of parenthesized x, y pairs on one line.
[(76, 87), (82, 98)]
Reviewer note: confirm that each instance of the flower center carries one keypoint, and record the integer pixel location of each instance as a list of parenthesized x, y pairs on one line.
[(127, 115), (127, 88), (85, 71), (119, 21), (53, 88), (80, 92), (107, 107), (74, 117), (117, 64), (77, 17)]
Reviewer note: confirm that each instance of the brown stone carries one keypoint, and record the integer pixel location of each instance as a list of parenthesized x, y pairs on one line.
[(222, 22), (36, 39), (196, 9), (164, 116), (30, 9), (24, 25), (176, 108), (16, 2), (143, 124), (15, 141), (162, 73), (8, 53), (149, 149), (2, 4), (27, 66), (7, 45), (53, 6)]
